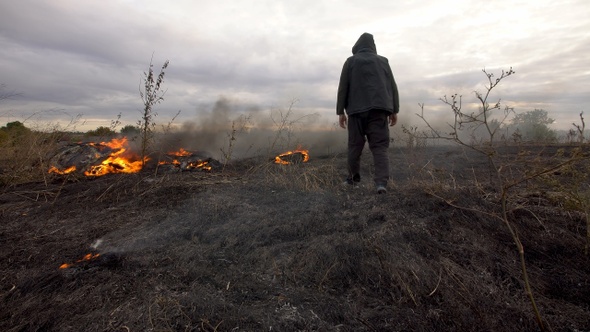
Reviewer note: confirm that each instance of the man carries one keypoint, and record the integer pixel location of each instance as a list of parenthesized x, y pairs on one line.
[(368, 93)]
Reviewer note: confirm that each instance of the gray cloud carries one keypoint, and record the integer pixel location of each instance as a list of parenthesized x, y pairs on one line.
[(88, 58)]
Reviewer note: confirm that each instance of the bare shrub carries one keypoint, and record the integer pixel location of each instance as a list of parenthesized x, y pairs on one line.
[(506, 175), (238, 127), (414, 139), (285, 127), (151, 95), (580, 129)]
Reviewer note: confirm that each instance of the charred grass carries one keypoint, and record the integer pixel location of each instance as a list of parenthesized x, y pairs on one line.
[(265, 247)]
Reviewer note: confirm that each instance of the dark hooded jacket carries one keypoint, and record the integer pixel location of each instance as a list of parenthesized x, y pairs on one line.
[(366, 81)]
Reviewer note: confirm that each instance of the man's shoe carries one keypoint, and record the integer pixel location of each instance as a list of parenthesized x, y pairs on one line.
[(353, 181), (381, 189), (350, 182)]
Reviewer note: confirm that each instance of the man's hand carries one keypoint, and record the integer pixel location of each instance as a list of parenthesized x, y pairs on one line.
[(342, 121), (392, 119)]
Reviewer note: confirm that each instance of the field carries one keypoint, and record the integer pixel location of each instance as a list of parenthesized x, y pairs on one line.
[(267, 247)]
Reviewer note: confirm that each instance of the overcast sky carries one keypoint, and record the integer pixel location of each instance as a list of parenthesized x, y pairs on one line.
[(70, 57)]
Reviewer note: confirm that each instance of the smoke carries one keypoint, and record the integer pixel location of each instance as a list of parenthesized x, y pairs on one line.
[(228, 130), (150, 235)]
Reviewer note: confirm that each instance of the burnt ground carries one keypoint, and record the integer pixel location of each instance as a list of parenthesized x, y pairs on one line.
[(264, 247)]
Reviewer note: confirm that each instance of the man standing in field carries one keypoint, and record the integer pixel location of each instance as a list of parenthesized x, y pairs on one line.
[(368, 93)]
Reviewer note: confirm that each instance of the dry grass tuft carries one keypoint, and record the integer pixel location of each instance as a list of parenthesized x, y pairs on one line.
[(24, 157), (298, 176)]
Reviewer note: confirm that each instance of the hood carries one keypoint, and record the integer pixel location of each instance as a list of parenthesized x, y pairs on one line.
[(366, 43)]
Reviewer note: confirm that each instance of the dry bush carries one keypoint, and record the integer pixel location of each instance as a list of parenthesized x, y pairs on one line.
[(24, 157), (414, 139), (238, 126), (285, 127), (26, 147), (151, 94)]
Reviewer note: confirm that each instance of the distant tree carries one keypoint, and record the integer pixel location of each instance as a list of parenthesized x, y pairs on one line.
[(101, 132), (15, 129), (15, 125), (534, 126), (130, 130)]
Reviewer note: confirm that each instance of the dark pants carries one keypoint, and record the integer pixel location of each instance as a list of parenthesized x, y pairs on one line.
[(372, 126)]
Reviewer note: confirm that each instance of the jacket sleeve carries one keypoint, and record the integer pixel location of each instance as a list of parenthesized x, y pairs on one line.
[(343, 86)]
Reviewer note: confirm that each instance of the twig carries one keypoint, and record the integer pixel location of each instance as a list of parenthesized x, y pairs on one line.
[(437, 284), (326, 275)]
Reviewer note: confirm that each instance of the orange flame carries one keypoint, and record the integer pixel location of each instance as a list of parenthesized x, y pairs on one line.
[(202, 164), (56, 170), (87, 257), (187, 165), (118, 161), (173, 162), (180, 153), (304, 153), (199, 164)]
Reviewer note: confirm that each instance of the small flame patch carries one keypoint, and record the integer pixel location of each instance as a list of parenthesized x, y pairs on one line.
[(180, 153), (286, 158), (186, 160), (56, 170), (86, 258)]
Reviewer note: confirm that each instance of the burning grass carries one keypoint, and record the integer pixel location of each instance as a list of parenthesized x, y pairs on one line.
[(96, 159), (187, 161), (87, 258), (298, 155)]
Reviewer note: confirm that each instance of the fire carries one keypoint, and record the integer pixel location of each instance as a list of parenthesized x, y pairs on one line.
[(114, 164), (87, 257), (180, 153), (97, 159), (203, 164), (56, 170), (283, 157), (115, 143), (173, 162), (186, 162), (118, 161)]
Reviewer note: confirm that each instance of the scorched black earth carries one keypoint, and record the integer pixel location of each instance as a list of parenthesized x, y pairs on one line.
[(267, 247)]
